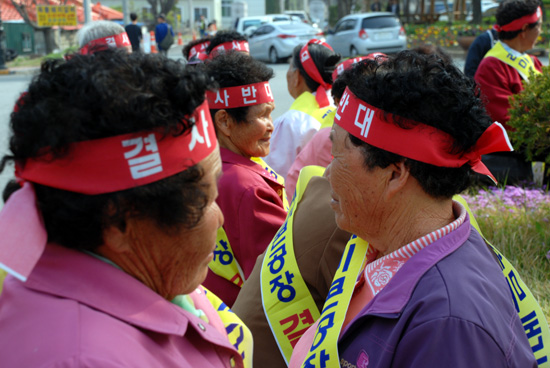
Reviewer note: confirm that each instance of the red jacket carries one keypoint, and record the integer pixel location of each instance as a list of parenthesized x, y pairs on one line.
[(498, 81), (253, 210)]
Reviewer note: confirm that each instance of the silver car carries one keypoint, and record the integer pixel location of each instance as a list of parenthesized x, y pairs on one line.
[(274, 42), (361, 34)]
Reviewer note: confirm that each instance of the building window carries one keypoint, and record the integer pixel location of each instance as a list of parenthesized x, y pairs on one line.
[(199, 12), (226, 8)]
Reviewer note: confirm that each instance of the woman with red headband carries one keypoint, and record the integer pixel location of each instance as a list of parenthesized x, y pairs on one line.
[(503, 71), (417, 286), (111, 222), (252, 196), (100, 35), (309, 80)]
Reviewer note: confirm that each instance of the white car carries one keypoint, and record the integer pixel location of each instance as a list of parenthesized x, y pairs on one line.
[(361, 34), (276, 41), (247, 25)]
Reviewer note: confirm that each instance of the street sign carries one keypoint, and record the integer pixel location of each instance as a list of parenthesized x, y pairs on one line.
[(56, 15)]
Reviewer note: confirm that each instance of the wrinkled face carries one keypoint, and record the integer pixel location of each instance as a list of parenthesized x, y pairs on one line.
[(357, 192), (180, 256), (252, 138)]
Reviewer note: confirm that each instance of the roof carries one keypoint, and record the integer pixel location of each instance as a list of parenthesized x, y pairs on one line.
[(99, 11)]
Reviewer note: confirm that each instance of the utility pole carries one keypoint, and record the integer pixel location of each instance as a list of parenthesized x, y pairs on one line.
[(87, 12), (126, 12), (3, 67)]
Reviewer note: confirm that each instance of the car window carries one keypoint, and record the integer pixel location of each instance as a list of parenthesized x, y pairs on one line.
[(267, 29), (280, 19), (250, 23), (346, 25), (380, 22)]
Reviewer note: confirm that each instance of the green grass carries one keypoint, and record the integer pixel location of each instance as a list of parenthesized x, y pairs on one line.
[(520, 229), (35, 61)]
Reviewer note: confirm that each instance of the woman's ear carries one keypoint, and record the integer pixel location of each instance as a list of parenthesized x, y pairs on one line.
[(224, 122), (399, 175)]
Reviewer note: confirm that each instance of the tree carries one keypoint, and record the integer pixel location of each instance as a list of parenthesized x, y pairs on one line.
[(344, 7), (165, 7), (27, 11)]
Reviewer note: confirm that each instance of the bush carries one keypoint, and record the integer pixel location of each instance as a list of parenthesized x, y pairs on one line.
[(530, 117)]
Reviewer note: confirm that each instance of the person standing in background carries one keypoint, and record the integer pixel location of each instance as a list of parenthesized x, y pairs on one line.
[(162, 31), (393, 7), (134, 33), (483, 43)]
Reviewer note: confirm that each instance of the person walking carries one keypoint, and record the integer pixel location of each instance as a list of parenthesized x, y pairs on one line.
[(134, 33), (164, 35)]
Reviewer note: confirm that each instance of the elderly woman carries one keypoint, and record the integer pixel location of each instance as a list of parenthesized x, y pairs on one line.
[(112, 222), (100, 34), (432, 293), (309, 80), (252, 196)]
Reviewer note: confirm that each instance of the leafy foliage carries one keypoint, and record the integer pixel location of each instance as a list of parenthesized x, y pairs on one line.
[(530, 117)]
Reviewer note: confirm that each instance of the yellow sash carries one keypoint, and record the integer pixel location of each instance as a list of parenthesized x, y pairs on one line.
[(523, 64), (289, 308), (239, 335), (224, 263), (307, 104), (324, 349), (277, 177), (531, 315)]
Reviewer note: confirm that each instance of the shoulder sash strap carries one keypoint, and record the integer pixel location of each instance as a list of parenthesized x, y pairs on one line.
[(224, 263), (531, 315), (239, 335), (276, 176), (288, 305), (523, 64)]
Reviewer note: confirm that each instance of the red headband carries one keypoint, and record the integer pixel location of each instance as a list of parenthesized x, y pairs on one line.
[(119, 40), (344, 65), (126, 161), (518, 24), (311, 70), (420, 142), (248, 95), (199, 50), (232, 45)]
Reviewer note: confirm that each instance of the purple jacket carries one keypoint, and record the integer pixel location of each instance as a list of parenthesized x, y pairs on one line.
[(77, 311), (448, 306)]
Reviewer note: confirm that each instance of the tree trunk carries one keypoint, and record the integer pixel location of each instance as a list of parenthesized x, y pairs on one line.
[(476, 8), (49, 40)]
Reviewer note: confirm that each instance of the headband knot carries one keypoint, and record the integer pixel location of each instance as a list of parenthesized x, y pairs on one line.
[(311, 70)]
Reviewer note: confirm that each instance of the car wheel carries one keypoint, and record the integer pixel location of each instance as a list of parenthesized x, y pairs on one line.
[(353, 52), (273, 56)]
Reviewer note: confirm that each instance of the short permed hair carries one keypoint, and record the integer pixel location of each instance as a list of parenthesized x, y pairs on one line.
[(233, 69), (429, 90), (223, 37), (325, 60), (98, 29), (103, 95), (510, 10)]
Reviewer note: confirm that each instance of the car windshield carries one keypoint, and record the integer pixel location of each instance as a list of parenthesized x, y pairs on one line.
[(380, 22)]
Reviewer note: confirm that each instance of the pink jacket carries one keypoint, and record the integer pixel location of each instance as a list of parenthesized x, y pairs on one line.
[(253, 210), (316, 152), (77, 311)]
